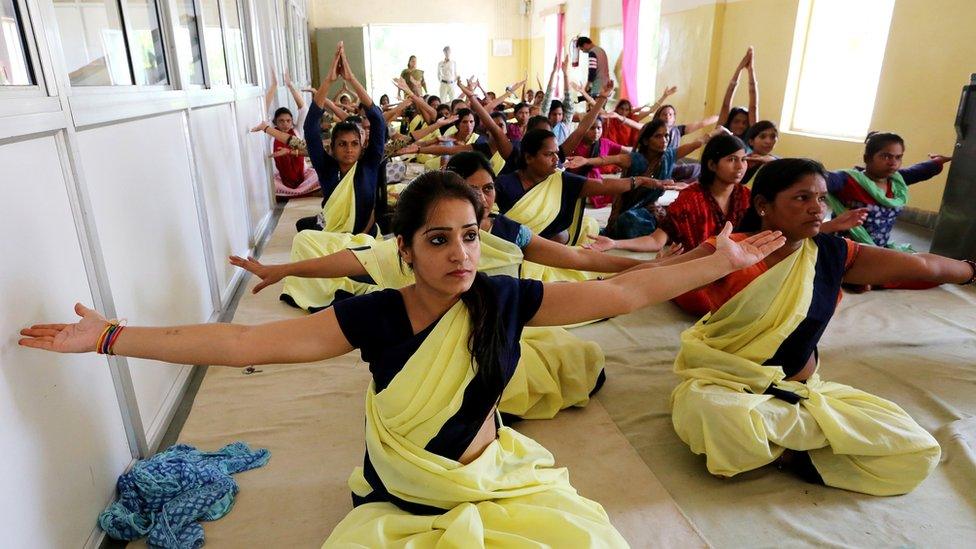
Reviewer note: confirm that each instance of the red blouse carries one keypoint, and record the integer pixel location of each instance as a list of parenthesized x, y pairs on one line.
[(695, 215)]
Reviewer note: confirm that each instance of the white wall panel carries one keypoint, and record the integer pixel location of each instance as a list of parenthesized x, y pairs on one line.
[(217, 146), (257, 182), (139, 180), (60, 426)]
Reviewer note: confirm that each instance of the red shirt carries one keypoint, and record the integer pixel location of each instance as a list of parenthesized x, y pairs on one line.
[(695, 215), (617, 131), (291, 167)]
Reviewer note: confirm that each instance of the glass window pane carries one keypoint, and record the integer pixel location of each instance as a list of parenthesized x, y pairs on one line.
[(146, 43), (845, 43), (188, 42), (213, 38), (93, 42), (15, 69), (235, 40)]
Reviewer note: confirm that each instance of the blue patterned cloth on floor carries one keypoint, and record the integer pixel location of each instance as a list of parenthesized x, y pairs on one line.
[(164, 496)]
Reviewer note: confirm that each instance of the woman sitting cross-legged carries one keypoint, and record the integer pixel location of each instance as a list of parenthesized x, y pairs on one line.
[(751, 394)]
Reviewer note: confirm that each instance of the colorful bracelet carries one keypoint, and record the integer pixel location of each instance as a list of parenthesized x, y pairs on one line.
[(106, 341), (972, 279)]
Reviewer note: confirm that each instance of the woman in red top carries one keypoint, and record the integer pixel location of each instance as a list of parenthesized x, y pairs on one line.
[(701, 210)]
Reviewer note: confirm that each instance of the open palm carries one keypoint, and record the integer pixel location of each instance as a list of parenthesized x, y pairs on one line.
[(749, 251), (80, 337), (268, 274)]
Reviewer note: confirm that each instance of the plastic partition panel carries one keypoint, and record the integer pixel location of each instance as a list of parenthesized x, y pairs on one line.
[(216, 147), (139, 180), (60, 425)]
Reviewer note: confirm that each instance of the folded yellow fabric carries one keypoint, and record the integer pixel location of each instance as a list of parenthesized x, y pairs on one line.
[(857, 441), (509, 496)]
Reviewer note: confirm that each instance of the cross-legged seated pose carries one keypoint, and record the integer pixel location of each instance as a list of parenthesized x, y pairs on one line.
[(440, 467), (349, 175), (292, 177), (750, 389)]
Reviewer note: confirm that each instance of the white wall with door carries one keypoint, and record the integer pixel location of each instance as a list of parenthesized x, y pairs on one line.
[(128, 176)]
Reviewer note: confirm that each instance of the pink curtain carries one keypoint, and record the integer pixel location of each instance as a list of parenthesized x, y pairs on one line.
[(560, 41), (628, 66)]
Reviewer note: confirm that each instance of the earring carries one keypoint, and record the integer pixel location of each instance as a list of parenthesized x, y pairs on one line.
[(762, 212)]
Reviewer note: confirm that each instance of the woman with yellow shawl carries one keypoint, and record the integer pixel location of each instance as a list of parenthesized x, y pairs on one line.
[(440, 468), (550, 201), (348, 175), (751, 394)]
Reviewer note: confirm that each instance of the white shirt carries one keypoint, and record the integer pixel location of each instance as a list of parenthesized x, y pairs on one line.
[(447, 70)]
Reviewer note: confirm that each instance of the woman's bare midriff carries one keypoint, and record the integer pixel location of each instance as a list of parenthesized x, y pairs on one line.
[(486, 435), (808, 369)]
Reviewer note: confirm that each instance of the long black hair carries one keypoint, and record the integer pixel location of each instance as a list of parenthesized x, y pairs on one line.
[(759, 127), (876, 141), (649, 129), (468, 163), (716, 149), (531, 144), (537, 120), (773, 178), (485, 343), (733, 112)]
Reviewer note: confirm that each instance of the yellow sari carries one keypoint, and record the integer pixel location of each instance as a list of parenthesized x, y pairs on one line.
[(509, 496), (541, 204), (557, 370), (724, 409), (339, 212)]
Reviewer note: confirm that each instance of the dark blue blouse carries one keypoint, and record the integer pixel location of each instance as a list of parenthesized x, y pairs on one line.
[(367, 177), (509, 190), (378, 325)]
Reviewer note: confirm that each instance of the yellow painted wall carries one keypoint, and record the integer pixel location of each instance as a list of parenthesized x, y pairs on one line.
[(929, 57)]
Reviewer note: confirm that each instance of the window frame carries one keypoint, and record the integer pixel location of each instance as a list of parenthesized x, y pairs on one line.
[(39, 88), (798, 50)]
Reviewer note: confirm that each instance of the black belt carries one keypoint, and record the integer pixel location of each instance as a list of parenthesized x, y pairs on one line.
[(445, 81)]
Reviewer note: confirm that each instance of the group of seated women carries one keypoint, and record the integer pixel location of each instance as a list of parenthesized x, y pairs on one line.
[(459, 300)]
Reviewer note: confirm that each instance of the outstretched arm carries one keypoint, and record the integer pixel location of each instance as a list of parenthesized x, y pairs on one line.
[(340, 264), (693, 127), (570, 303), (546, 252), (502, 143), (428, 113), (875, 265), (396, 112), (687, 148), (307, 339), (653, 242)]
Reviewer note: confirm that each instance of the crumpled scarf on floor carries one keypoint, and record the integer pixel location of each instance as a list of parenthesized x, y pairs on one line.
[(164, 496)]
